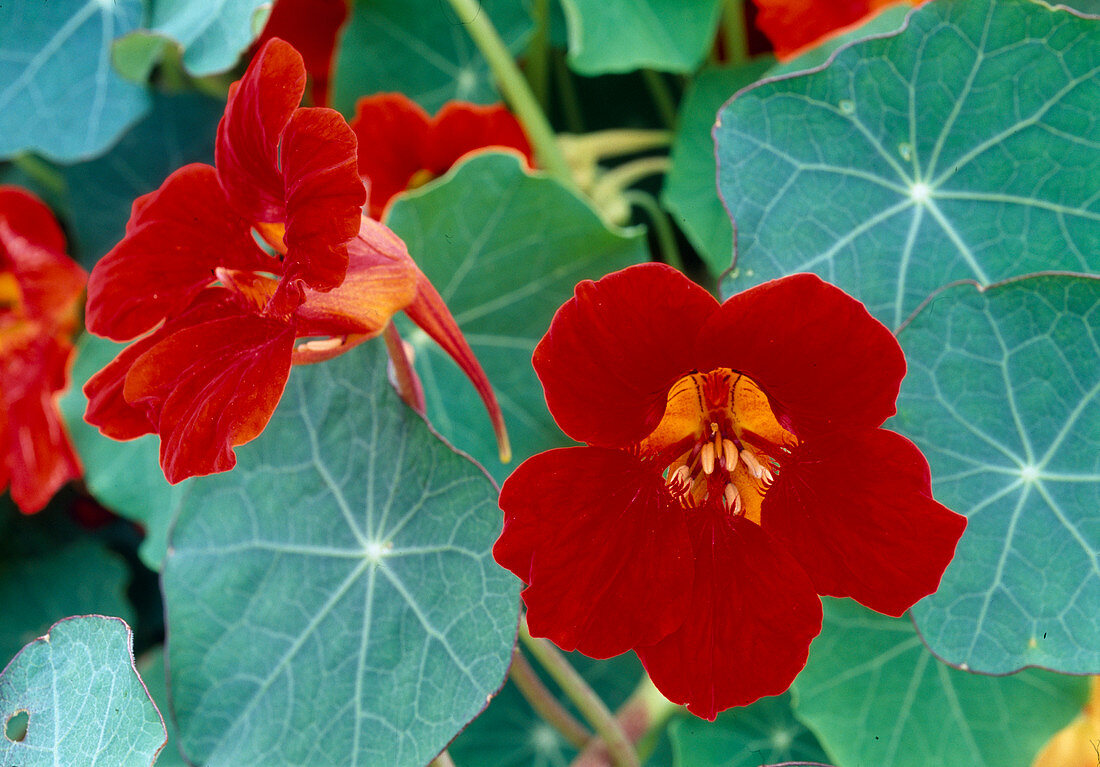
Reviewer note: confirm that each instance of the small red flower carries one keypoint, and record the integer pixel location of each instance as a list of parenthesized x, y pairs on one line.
[(401, 147), (224, 270), (40, 289), (734, 470), (793, 25)]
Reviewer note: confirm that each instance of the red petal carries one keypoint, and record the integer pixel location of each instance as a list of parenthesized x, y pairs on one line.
[(212, 386), (380, 282), (857, 511), (752, 615), (460, 128), (186, 230), (324, 197), (431, 315), (24, 216), (393, 143), (311, 27), (791, 25), (602, 545), (823, 360), (613, 351), (34, 444), (259, 108), (107, 408)]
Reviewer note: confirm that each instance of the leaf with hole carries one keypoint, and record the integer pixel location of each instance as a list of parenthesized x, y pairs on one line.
[(333, 600), (873, 694), (1003, 397), (422, 49), (505, 249), (73, 697), (624, 35), (59, 95), (966, 146)]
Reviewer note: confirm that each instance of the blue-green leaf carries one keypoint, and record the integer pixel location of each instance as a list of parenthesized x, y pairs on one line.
[(965, 146), (78, 697), (59, 95), (1003, 397), (333, 600)]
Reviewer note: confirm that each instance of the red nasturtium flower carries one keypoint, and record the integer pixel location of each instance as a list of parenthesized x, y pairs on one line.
[(419, 148), (40, 290), (734, 470), (792, 25), (219, 318)]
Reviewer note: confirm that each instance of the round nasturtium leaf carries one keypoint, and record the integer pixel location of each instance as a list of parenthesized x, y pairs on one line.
[(505, 249), (874, 695), (1003, 397), (963, 147), (333, 599), (212, 35), (59, 95), (73, 697)]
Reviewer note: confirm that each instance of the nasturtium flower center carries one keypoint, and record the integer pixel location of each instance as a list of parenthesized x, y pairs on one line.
[(719, 442)]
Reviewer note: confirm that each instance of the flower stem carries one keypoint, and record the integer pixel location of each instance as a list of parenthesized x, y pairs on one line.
[(662, 227), (537, 63), (514, 87), (735, 36), (661, 95), (612, 183), (646, 711), (408, 382), (615, 142), (570, 102), (544, 702), (584, 698)]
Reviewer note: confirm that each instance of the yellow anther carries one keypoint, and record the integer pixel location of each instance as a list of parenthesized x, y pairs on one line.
[(706, 457), (732, 499), (729, 453), (752, 464)]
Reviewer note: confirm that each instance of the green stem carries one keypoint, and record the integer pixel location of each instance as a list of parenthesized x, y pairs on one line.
[(662, 227), (661, 95), (642, 717), (735, 36), (612, 183), (544, 703), (408, 382), (587, 702), (537, 64), (514, 87), (615, 142), (41, 172), (570, 102)]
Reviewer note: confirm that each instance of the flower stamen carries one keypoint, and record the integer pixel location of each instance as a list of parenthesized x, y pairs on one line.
[(707, 456)]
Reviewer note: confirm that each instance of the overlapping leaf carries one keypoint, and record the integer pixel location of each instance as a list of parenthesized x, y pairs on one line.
[(213, 35), (1003, 397), (59, 95), (764, 733), (80, 699), (874, 695), (967, 146), (505, 250), (624, 35), (422, 49), (123, 476), (333, 600), (179, 130)]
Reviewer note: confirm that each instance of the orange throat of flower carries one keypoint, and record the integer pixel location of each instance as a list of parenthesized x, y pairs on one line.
[(719, 441)]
